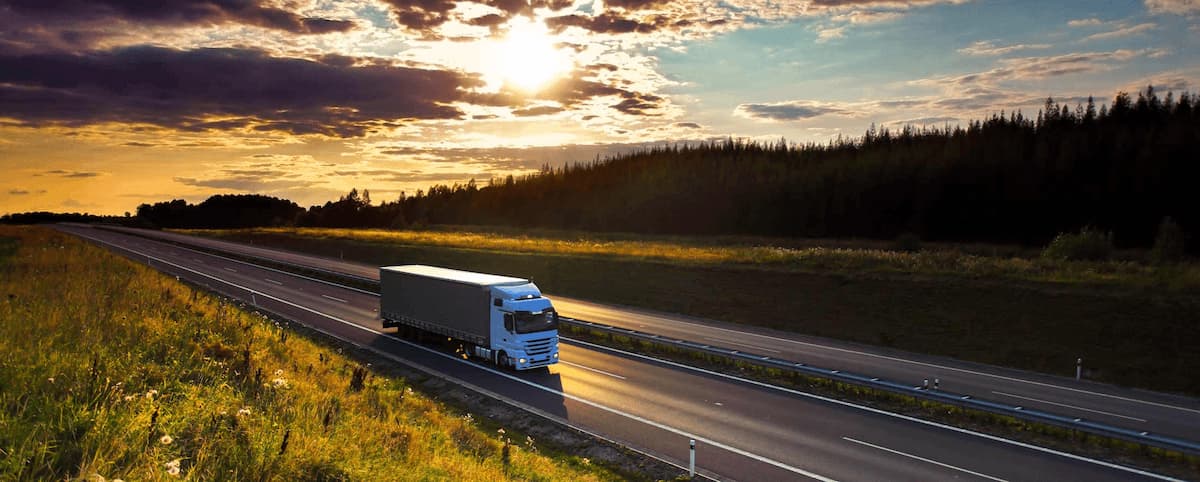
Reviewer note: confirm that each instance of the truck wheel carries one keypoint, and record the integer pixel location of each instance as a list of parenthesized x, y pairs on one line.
[(505, 361)]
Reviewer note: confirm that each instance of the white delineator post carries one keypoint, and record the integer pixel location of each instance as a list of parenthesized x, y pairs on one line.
[(1078, 368), (692, 459)]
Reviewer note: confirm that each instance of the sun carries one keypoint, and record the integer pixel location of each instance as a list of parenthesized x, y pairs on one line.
[(527, 57)]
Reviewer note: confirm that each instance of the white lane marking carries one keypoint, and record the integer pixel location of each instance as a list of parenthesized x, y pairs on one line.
[(1068, 406), (231, 269), (923, 459), (926, 364), (333, 298), (877, 411), (597, 370), (269, 280), (560, 393), (742, 344)]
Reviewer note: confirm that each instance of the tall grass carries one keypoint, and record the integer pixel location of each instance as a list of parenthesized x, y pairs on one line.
[(830, 257), (109, 369)]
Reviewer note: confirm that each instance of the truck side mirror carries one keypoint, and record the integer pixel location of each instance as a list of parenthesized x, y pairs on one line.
[(498, 302), (508, 322)]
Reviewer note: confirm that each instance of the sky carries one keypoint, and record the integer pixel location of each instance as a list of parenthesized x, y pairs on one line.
[(108, 104)]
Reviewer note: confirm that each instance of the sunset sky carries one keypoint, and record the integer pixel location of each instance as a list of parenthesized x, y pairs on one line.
[(107, 104)]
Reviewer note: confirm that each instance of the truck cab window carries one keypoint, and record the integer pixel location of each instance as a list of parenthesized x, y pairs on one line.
[(498, 302), (508, 322), (528, 322)]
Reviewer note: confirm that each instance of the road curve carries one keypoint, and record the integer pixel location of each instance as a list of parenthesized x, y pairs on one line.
[(744, 430)]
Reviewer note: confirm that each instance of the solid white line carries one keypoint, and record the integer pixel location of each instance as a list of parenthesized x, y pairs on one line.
[(334, 299), (701, 370), (597, 370), (884, 413), (923, 459), (742, 344), (1068, 406), (560, 393), (926, 364), (269, 280), (231, 269)]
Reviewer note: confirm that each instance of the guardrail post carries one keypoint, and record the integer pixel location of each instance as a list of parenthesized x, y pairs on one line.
[(1078, 368), (692, 459)]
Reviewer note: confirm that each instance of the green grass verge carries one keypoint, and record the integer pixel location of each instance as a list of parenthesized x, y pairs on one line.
[(110, 369), (1126, 336), (1072, 441)]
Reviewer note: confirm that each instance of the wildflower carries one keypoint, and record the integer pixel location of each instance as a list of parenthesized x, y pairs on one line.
[(243, 411), (51, 379), (166, 440), (152, 393), (173, 467), (130, 397), (279, 372), (279, 383), (500, 431), (586, 461)]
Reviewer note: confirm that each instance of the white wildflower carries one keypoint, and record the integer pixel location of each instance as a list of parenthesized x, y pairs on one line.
[(51, 379), (279, 373), (243, 411), (130, 397), (173, 467), (166, 440), (279, 383), (152, 393), (500, 431)]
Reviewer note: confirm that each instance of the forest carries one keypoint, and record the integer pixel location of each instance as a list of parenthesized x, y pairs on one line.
[(1122, 168)]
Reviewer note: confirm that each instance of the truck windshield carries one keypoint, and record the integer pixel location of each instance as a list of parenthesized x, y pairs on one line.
[(529, 322)]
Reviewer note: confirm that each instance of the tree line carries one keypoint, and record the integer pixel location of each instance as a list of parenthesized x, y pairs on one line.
[(1010, 178)]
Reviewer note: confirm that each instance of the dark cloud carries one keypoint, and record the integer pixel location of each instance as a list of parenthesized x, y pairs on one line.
[(687, 125), (243, 183), (81, 23), (603, 23), (639, 104), (222, 89), (423, 16), (25, 192), (73, 174), (538, 110), (138, 144), (789, 111)]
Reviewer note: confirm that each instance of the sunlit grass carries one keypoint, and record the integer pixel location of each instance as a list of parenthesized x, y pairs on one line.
[(832, 256), (110, 369)]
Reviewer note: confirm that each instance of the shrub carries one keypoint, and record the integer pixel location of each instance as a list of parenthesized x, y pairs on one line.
[(1087, 245), (1168, 244)]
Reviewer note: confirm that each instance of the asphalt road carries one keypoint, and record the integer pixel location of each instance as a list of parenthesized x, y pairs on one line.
[(1140, 410), (744, 430)]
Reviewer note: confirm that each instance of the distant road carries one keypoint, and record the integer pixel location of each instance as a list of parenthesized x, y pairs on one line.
[(744, 430), (1141, 410)]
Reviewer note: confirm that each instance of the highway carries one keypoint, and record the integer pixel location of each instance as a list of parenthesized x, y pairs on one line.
[(1140, 410), (744, 430)]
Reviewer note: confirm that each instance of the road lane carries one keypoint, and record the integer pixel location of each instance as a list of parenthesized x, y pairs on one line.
[(667, 403), (1167, 414)]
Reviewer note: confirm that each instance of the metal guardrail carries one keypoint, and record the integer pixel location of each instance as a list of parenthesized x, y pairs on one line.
[(937, 395), (957, 399)]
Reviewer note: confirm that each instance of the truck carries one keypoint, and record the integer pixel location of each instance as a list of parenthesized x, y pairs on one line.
[(501, 319)]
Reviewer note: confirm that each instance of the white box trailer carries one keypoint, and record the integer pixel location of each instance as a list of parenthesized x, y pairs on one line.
[(501, 318)]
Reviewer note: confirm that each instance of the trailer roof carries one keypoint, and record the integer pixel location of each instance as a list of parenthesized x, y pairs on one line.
[(468, 277)]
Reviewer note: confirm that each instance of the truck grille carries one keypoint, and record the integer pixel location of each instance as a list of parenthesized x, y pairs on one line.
[(539, 347)]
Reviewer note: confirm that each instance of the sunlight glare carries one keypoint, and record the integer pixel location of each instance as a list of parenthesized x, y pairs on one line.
[(527, 56)]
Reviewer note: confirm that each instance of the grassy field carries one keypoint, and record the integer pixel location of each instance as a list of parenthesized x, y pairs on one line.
[(1133, 324), (855, 258), (111, 370)]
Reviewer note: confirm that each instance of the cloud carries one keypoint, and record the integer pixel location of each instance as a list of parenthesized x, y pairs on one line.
[(83, 23), (829, 33), (687, 125), (243, 183), (1027, 68), (25, 192), (923, 121), (1181, 7), (537, 111), (224, 89), (987, 48), (72, 174), (792, 110), (1123, 31), (1085, 22)]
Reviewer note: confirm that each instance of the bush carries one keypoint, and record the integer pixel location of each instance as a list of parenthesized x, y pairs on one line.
[(908, 243), (1088, 245), (1168, 244)]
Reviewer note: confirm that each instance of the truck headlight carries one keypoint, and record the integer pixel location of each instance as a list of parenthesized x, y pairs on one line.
[(555, 355), (521, 361)]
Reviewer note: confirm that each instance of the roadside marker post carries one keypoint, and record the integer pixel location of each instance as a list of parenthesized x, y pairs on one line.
[(692, 459), (1078, 368)]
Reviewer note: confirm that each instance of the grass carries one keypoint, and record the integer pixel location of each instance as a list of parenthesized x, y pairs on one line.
[(1137, 334), (856, 258), (110, 369)]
